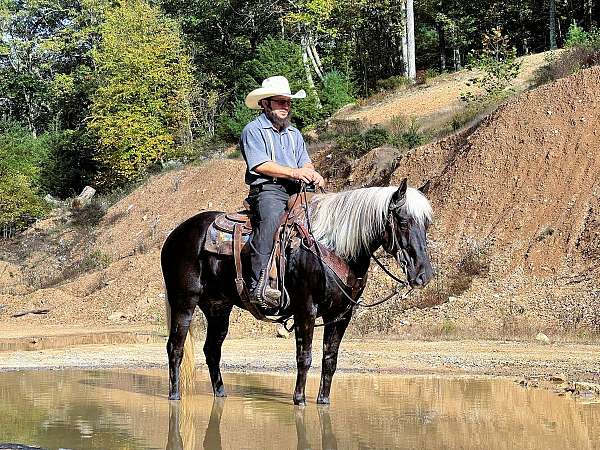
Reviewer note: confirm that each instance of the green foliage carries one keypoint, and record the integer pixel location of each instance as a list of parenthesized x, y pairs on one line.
[(584, 53), (405, 133), (498, 64), (22, 158), (95, 260), (230, 126), (576, 36), (337, 91), (19, 203), (392, 83), (142, 101), (357, 144)]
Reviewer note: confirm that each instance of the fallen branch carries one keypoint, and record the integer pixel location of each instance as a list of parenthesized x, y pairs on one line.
[(32, 311)]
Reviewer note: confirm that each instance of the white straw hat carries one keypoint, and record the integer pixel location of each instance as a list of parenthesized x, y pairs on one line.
[(272, 86)]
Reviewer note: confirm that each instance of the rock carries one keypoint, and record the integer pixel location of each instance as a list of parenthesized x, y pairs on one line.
[(452, 299), (542, 338), (84, 198), (558, 378), (53, 201), (117, 316)]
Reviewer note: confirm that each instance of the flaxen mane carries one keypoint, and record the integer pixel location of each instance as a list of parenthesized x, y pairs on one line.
[(347, 222)]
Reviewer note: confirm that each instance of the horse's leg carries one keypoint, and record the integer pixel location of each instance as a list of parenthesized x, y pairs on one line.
[(182, 311), (304, 328), (216, 331), (332, 337)]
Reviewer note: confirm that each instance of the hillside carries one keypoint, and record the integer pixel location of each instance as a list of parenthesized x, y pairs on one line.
[(523, 187)]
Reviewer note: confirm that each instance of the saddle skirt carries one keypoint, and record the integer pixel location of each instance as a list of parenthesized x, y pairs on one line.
[(219, 235)]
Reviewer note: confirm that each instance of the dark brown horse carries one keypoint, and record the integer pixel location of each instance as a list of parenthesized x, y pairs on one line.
[(352, 223)]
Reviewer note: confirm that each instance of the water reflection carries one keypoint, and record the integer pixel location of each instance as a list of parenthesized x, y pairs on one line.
[(129, 409), (212, 436), (328, 440)]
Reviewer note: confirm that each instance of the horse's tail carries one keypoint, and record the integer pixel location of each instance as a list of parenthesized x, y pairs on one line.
[(188, 362)]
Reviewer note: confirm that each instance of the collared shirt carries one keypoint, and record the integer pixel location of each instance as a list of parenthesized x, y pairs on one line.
[(260, 142)]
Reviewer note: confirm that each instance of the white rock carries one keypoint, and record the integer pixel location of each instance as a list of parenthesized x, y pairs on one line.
[(542, 338)]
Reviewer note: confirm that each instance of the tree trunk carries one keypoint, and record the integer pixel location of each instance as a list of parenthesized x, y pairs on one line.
[(404, 41), (552, 24), (441, 45), (410, 38), (315, 60), (307, 71)]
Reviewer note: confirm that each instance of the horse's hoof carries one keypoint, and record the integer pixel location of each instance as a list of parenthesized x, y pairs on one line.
[(174, 397), (299, 402), (220, 394), (323, 401)]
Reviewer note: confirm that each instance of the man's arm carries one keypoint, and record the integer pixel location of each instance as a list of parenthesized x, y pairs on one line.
[(307, 173)]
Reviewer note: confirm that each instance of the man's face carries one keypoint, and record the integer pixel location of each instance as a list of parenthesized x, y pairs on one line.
[(280, 106)]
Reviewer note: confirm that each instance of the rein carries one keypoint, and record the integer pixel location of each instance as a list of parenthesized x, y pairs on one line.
[(353, 303)]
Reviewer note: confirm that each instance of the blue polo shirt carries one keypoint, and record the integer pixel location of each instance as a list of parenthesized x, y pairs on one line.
[(260, 142)]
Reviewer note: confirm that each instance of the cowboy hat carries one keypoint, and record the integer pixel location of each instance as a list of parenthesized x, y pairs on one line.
[(272, 86)]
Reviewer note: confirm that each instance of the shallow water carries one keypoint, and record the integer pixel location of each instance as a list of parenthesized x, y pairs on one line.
[(126, 409)]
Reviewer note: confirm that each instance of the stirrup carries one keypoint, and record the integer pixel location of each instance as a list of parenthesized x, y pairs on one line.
[(264, 295)]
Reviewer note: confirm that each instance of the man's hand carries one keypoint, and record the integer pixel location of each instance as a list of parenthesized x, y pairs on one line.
[(308, 175)]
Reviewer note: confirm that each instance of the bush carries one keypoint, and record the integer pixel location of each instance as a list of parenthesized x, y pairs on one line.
[(358, 144), (230, 126), (337, 91), (583, 51), (406, 133), (352, 146), (19, 204), (392, 83), (21, 158), (576, 36), (499, 67)]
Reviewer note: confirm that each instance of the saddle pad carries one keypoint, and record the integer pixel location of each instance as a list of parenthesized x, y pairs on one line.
[(221, 242), (226, 222)]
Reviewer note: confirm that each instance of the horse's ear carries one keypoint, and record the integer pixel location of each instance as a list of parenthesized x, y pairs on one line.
[(399, 196), (425, 188)]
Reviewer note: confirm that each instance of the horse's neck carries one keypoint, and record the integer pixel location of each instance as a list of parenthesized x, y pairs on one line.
[(360, 265)]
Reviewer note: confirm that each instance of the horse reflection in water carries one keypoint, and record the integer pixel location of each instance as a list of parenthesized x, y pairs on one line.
[(212, 436), (353, 224)]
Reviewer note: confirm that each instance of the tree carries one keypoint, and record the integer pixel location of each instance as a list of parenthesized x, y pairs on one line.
[(142, 105)]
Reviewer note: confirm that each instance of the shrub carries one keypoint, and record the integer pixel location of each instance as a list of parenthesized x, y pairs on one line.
[(337, 91), (19, 204), (21, 158), (576, 36), (89, 215), (498, 64), (357, 144), (392, 83), (230, 126), (583, 52)]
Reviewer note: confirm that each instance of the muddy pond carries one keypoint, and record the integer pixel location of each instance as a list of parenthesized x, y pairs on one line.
[(128, 409)]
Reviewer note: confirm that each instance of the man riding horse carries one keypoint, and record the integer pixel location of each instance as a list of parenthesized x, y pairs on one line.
[(277, 161)]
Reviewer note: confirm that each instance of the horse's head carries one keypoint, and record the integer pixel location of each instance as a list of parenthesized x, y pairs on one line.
[(409, 216)]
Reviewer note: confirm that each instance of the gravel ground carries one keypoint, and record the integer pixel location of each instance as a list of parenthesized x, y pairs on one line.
[(576, 362)]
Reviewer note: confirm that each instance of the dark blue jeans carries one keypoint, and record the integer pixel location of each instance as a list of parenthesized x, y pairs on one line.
[(267, 203)]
